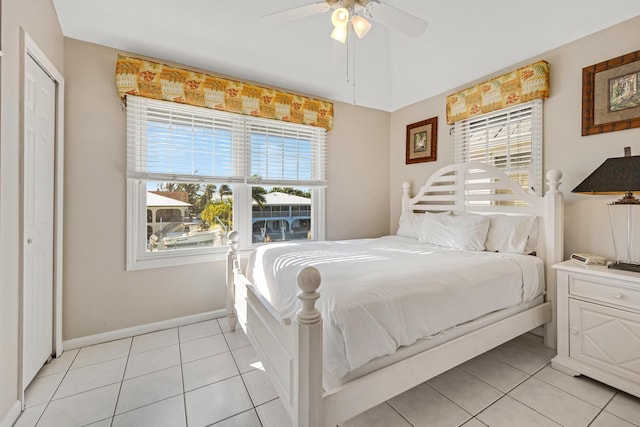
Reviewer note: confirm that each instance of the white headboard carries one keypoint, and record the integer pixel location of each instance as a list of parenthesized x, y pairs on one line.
[(483, 188)]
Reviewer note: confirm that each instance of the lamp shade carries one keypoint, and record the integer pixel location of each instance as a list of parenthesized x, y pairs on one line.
[(617, 175), (340, 17), (360, 26), (339, 34)]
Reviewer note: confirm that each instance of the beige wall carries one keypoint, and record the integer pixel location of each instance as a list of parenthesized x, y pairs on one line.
[(358, 170), (586, 217), (39, 20), (99, 295)]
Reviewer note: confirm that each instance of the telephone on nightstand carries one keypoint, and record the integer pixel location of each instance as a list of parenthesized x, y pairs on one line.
[(588, 259)]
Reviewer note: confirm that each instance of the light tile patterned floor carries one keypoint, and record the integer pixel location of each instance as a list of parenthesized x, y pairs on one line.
[(202, 375)]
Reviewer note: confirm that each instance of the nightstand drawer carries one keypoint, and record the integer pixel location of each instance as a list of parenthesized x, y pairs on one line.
[(605, 292)]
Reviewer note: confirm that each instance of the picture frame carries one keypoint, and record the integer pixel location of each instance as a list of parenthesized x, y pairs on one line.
[(611, 95), (422, 141)]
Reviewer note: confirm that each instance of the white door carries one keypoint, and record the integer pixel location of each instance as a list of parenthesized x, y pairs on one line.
[(38, 218)]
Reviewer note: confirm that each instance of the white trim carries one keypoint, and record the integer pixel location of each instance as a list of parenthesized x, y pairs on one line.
[(12, 415), (318, 213), (175, 258), (142, 329), (31, 49)]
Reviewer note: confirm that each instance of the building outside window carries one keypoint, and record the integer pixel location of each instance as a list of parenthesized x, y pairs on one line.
[(285, 214)]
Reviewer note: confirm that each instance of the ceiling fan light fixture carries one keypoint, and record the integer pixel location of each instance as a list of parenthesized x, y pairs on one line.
[(360, 26), (339, 34), (340, 17)]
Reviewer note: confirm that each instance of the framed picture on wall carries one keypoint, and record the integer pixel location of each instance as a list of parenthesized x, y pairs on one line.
[(611, 95), (422, 138)]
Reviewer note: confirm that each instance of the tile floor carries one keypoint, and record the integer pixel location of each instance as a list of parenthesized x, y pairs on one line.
[(202, 374)]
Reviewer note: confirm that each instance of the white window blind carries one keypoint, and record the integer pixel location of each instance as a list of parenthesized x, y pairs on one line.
[(176, 142), (510, 139), (287, 154)]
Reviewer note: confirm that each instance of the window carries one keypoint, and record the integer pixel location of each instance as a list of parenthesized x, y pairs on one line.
[(510, 139), (193, 174)]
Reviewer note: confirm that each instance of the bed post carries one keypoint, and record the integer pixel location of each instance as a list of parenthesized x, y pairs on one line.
[(307, 403), (233, 262), (554, 248), (405, 196)]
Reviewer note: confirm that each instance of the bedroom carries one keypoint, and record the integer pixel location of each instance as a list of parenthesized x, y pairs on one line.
[(100, 296)]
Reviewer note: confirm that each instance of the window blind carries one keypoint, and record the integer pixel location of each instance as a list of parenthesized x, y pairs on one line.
[(286, 154), (175, 142), (510, 139)]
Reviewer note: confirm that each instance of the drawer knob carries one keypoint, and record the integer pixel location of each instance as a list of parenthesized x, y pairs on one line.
[(617, 295), (574, 330)]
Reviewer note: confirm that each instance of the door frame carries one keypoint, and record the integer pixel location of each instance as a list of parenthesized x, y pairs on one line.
[(29, 48)]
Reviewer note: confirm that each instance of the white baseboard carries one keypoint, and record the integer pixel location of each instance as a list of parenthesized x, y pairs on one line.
[(10, 417), (140, 329)]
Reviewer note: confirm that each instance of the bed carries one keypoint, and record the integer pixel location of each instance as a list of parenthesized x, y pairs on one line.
[(343, 326)]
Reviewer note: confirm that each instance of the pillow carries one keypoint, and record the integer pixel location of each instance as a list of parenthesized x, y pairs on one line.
[(510, 233), (532, 240), (410, 224), (465, 231)]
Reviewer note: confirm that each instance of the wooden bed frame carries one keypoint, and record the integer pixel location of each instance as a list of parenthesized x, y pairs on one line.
[(291, 349)]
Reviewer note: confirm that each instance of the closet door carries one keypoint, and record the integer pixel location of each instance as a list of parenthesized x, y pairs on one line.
[(38, 218)]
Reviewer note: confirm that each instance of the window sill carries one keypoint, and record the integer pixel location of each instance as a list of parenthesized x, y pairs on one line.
[(173, 259)]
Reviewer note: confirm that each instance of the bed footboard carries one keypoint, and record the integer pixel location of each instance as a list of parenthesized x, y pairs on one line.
[(290, 350)]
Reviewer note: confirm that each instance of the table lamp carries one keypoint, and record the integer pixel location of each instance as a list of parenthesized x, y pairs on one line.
[(620, 175)]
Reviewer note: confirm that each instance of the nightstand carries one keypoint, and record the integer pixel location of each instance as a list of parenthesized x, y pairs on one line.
[(598, 314)]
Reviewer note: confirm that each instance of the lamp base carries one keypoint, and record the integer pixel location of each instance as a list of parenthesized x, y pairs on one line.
[(625, 266)]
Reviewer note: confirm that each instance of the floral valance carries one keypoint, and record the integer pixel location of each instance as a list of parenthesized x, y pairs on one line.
[(522, 85), (158, 81)]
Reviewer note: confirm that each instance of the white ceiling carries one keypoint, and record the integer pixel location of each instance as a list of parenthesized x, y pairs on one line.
[(465, 40)]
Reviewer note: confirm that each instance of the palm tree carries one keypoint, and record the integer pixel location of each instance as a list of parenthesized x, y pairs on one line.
[(224, 190), (192, 190), (291, 190), (257, 194), (207, 195), (167, 186)]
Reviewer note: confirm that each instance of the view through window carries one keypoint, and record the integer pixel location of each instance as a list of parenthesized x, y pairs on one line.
[(183, 215)]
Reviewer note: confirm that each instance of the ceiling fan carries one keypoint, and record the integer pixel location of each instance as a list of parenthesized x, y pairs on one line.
[(356, 13)]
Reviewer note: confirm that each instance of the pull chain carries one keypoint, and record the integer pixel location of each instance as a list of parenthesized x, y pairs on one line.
[(348, 43), (351, 77)]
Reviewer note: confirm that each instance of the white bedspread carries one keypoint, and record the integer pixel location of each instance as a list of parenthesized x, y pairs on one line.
[(379, 294)]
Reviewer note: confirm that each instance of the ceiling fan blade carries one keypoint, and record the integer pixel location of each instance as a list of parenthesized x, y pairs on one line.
[(396, 19), (296, 13)]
